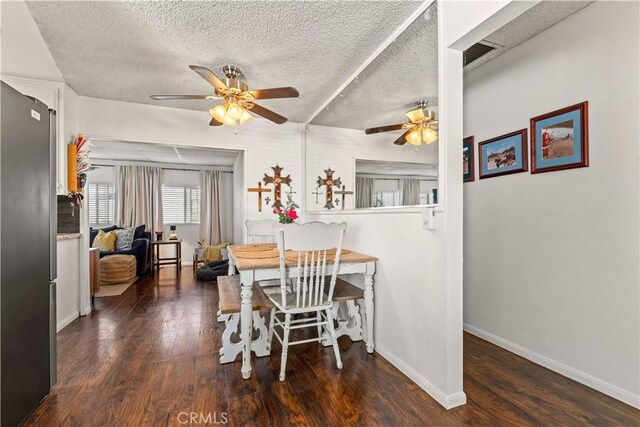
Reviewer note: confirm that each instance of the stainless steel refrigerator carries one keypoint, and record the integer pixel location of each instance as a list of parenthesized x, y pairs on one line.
[(27, 254)]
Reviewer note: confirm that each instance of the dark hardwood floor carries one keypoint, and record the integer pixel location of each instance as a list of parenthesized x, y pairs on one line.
[(145, 357)]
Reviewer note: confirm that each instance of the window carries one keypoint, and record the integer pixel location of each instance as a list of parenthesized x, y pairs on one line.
[(102, 204), (386, 198), (180, 205), (386, 192)]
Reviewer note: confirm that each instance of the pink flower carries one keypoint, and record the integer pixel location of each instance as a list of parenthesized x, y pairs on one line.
[(292, 214)]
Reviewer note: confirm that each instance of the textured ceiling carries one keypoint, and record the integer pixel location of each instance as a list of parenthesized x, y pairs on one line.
[(534, 21), (405, 72), (158, 153), (130, 50)]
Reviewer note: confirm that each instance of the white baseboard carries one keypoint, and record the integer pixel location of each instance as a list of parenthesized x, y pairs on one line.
[(569, 372), (86, 310), (447, 401), (64, 322)]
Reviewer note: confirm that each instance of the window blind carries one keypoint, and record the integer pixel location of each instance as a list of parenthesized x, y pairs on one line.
[(180, 205), (102, 204)]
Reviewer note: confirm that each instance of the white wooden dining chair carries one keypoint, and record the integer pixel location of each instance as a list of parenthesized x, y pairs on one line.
[(261, 231), (311, 290)]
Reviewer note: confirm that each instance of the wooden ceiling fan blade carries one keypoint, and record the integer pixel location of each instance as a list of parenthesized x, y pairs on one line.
[(214, 122), (388, 128), (268, 114), (403, 138), (209, 76), (276, 92), (169, 97)]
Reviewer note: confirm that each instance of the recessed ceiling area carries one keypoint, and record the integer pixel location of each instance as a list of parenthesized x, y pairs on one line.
[(405, 72), (121, 151), (540, 17), (132, 49)]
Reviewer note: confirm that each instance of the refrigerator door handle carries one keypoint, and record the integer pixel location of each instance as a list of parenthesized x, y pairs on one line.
[(53, 198), (53, 328)]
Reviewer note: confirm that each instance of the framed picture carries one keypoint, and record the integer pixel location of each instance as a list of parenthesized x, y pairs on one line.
[(560, 140), (468, 159), (503, 155)]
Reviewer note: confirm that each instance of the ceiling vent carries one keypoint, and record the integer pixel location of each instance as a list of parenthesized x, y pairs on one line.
[(477, 51)]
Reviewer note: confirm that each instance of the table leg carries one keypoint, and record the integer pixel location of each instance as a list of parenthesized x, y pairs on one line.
[(232, 267), (179, 258), (368, 304), (246, 321), (231, 272)]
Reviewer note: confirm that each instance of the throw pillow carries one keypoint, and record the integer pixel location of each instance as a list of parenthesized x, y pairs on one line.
[(139, 234), (125, 238), (93, 232), (105, 241)]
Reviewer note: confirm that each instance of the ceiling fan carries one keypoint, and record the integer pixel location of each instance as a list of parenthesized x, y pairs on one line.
[(239, 101), (422, 126)]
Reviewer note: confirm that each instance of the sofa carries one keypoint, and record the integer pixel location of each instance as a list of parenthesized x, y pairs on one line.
[(140, 247)]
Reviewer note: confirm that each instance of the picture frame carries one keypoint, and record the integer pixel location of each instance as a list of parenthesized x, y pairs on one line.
[(468, 160), (560, 139), (503, 155)]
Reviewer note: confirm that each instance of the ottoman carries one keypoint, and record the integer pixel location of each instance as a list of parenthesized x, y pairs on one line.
[(117, 270)]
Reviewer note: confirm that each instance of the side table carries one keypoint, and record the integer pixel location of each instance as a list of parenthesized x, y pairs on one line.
[(172, 260)]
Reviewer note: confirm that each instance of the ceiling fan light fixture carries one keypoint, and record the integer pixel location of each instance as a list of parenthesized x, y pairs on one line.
[(234, 110), (229, 121), (219, 112), (415, 115), (246, 116), (429, 135), (414, 137)]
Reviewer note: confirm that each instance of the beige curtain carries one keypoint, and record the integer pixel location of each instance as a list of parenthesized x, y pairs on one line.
[(410, 192), (210, 229), (139, 195), (364, 192)]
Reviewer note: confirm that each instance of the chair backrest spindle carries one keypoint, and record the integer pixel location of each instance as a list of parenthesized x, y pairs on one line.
[(317, 240)]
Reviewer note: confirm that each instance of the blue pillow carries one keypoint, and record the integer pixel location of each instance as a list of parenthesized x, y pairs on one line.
[(139, 233)]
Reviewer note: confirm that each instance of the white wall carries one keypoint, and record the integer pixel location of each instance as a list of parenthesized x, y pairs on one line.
[(418, 284), (338, 148), (68, 282), (238, 199), (265, 144), (24, 51), (551, 260), (103, 175)]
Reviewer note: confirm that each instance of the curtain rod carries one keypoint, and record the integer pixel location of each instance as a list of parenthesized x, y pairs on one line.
[(171, 169)]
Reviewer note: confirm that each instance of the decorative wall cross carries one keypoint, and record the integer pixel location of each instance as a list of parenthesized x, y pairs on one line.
[(343, 192), (329, 182), (277, 180), (316, 193), (259, 190)]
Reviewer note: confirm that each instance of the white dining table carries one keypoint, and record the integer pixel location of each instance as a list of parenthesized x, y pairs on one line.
[(257, 267)]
